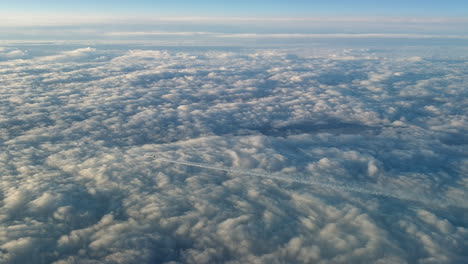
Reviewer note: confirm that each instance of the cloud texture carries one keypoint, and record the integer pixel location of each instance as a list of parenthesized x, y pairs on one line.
[(76, 186)]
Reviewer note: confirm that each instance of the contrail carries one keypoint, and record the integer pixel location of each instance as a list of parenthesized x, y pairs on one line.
[(365, 189)]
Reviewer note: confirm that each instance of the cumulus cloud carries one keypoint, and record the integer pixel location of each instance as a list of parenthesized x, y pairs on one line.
[(78, 187), (7, 53)]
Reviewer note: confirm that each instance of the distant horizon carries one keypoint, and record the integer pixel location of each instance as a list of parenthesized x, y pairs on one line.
[(212, 29), (143, 20)]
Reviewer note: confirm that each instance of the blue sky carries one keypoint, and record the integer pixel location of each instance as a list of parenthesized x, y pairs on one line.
[(246, 7), (145, 20)]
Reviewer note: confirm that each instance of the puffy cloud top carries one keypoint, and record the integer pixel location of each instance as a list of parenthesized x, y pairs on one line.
[(385, 136)]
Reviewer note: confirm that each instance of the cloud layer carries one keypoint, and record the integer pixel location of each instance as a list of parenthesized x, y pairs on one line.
[(77, 187), (228, 30)]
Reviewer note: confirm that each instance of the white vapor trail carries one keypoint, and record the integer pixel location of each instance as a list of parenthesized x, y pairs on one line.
[(365, 189)]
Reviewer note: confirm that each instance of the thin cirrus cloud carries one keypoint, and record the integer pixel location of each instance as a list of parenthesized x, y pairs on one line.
[(279, 35)]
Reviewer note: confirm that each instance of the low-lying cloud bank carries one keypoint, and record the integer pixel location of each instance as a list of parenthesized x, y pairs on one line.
[(228, 30), (76, 186)]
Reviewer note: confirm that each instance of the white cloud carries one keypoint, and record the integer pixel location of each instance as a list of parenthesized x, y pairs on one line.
[(282, 35), (73, 54), (9, 53), (77, 188), (369, 35), (158, 33)]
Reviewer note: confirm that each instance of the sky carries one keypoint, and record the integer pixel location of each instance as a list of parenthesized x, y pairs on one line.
[(245, 7)]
